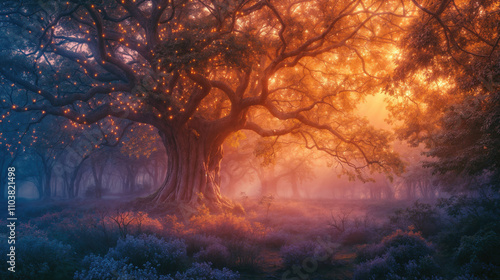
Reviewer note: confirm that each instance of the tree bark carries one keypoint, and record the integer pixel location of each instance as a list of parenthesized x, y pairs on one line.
[(193, 170)]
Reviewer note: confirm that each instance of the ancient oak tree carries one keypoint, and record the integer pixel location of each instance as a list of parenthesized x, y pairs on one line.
[(201, 70)]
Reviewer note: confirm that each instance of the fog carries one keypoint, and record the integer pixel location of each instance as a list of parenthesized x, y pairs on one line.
[(252, 139)]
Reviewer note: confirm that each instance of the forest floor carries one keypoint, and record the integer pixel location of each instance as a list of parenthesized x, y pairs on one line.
[(271, 231), (315, 239)]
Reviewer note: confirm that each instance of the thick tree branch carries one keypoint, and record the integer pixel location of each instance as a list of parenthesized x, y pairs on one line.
[(301, 118), (269, 132), (66, 100)]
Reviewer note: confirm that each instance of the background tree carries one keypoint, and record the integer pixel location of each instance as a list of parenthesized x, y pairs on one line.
[(448, 85), (380, 188), (282, 162), (198, 71), (236, 166), (142, 152)]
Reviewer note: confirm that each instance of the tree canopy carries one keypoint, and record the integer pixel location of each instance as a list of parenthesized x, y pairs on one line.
[(198, 71), (448, 84)]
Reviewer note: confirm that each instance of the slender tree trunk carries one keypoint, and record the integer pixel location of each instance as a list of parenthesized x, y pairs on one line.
[(55, 185), (97, 179), (389, 193), (72, 191), (156, 176), (77, 184), (99, 185), (295, 187), (132, 177), (129, 184), (410, 190), (268, 182), (71, 185), (269, 186), (48, 178), (193, 168), (155, 171)]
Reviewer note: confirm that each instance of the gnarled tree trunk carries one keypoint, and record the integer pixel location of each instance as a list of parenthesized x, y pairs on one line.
[(193, 170)]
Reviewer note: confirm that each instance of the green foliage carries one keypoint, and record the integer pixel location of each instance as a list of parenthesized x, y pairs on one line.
[(447, 81), (469, 143), (469, 215), (481, 247), (471, 237), (478, 254), (422, 216)]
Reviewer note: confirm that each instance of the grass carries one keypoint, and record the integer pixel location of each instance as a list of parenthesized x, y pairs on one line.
[(253, 241)]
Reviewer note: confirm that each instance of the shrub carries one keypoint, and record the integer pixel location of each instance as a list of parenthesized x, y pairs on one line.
[(196, 242), (96, 232), (401, 255), (240, 236), (479, 254), (50, 218), (172, 225), (351, 230), (295, 254), (128, 222), (473, 236), (482, 246), (378, 268), (482, 270), (422, 216), (276, 239), (106, 268), (238, 210), (145, 224), (216, 253), (369, 252), (165, 256), (86, 232), (226, 226), (28, 229), (244, 253), (204, 271), (356, 236), (467, 277), (406, 246), (41, 258)]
